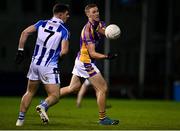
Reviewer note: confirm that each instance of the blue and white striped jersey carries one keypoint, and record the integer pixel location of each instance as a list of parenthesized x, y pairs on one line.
[(48, 44)]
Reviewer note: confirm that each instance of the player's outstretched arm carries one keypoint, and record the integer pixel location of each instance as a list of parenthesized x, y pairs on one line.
[(23, 38), (25, 34)]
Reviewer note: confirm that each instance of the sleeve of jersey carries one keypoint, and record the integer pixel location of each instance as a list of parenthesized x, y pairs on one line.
[(88, 36), (39, 23), (65, 35)]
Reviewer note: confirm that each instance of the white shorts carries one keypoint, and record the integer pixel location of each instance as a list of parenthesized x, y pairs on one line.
[(84, 70), (47, 75)]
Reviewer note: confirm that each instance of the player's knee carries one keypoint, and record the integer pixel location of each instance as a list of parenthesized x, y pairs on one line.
[(73, 89), (56, 96), (29, 93), (104, 87), (104, 90)]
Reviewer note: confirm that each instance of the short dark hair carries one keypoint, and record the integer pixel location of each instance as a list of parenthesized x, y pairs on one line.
[(60, 8), (89, 6)]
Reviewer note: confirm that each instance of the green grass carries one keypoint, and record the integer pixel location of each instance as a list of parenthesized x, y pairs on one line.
[(133, 114)]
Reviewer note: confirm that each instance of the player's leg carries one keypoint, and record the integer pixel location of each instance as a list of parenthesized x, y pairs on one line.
[(82, 92), (53, 94), (51, 80), (32, 87), (74, 86), (53, 97), (101, 88)]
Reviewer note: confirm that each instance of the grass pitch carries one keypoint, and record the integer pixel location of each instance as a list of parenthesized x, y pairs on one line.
[(133, 114)]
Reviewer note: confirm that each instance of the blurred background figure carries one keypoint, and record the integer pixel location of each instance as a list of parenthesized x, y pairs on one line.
[(84, 88), (82, 92)]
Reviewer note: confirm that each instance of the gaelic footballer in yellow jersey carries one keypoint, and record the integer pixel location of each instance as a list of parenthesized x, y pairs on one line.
[(90, 34), (85, 68)]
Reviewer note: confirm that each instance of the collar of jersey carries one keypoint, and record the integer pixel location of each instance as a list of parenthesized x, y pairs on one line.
[(93, 23), (57, 19)]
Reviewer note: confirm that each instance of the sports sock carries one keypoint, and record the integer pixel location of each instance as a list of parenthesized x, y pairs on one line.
[(21, 115), (102, 115), (45, 105)]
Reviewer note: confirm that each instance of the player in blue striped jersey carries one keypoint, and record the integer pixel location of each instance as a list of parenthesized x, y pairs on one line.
[(51, 44)]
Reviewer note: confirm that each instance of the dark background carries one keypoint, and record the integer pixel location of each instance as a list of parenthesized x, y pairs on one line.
[(161, 68)]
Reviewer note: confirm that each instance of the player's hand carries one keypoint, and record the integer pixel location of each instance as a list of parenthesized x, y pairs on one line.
[(112, 56), (19, 57)]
